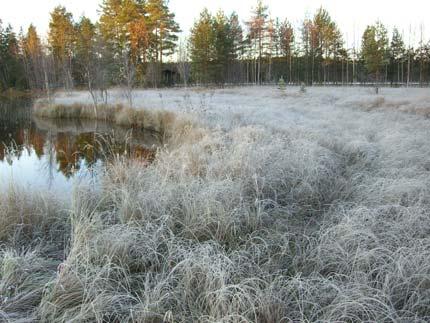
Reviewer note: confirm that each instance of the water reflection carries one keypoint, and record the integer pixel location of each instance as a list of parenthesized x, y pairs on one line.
[(53, 155)]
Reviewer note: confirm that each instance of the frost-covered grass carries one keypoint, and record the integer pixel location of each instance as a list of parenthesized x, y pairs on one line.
[(269, 207), (34, 231)]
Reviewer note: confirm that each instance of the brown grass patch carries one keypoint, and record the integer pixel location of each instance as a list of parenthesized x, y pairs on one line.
[(163, 122)]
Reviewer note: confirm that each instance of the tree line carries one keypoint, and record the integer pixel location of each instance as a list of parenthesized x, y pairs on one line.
[(264, 50), (135, 43)]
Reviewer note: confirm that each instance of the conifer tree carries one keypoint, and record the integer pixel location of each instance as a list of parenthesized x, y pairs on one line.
[(202, 49), (307, 51), (286, 44), (84, 46), (224, 45), (12, 74), (121, 23), (115, 20), (422, 55), (374, 49), (257, 28), (33, 56), (163, 35), (139, 32), (326, 40), (398, 52), (61, 37), (164, 28), (236, 33), (271, 46)]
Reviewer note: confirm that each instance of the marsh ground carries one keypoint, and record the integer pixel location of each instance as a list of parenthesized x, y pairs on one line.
[(266, 206)]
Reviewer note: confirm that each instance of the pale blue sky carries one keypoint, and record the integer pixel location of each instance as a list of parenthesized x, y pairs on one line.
[(351, 16)]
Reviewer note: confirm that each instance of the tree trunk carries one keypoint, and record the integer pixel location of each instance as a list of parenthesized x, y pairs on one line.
[(409, 70), (290, 70)]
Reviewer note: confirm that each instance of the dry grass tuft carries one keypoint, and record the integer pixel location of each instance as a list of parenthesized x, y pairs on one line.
[(26, 217), (163, 122)]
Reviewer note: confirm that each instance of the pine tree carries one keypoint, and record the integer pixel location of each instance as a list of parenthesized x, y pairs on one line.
[(422, 55), (139, 32), (216, 41), (326, 40), (398, 52), (33, 57), (12, 73), (271, 45), (92, 60), (164, 28), (307, 49), (140, 41), (286, 44), (121, 23), (115, 20), (202, 50), (236, 72), (32, 45), (236, 34), (225, 50), (374, 49), (257, 28), (61, 37), (84, 48), (163, 34)]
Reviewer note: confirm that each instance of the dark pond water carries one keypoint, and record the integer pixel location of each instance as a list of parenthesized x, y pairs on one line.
[(43, 154)]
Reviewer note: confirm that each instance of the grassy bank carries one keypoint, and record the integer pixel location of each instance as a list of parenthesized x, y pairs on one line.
[(164, 123), (12, 94), (35, 230), (241, 223)]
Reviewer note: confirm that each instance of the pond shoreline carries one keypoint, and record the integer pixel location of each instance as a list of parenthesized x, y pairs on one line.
[(49, 154), (157, 121)]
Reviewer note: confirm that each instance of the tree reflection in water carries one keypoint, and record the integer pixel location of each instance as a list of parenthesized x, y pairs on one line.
[(66, 148)]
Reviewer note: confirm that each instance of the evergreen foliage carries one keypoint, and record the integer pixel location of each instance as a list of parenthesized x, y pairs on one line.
[(135, 43)]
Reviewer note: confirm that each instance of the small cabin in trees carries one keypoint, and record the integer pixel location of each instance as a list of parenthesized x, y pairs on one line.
[(170, 75)]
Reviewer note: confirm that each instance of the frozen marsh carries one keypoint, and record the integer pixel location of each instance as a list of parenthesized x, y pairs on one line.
[(262, 206)]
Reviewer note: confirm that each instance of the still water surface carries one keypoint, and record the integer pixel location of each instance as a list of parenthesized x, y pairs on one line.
[(42, 154)]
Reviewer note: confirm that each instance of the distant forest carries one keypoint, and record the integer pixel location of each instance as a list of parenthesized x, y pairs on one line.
[(135, 43)]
